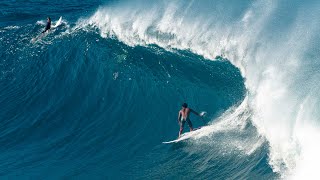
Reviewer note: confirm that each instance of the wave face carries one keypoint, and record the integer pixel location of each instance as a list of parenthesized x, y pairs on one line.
[(96, 96)]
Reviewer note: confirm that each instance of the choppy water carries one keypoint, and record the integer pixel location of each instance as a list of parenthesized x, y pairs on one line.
[(96, 97)]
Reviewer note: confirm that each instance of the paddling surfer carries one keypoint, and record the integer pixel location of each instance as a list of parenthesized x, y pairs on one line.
[(183, 117), (48, 26)]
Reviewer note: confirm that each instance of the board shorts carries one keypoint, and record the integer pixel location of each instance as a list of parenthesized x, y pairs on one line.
[(184, 121)]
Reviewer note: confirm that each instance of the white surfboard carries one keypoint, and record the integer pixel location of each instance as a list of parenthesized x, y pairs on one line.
[(184, 136), (58, 22)]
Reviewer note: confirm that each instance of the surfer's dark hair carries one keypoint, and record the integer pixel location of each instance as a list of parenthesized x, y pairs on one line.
[(185, 105), (49, 18)]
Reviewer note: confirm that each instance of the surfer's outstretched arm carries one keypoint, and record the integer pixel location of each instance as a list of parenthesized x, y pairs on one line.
[(194, 112)]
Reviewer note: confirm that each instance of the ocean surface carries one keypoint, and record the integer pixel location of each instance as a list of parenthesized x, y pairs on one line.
[(96, 96)]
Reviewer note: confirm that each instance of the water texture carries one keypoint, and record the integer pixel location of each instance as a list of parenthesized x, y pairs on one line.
[(95, 97)]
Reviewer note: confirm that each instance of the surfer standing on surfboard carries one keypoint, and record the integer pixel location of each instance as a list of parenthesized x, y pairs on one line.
[(48, 26), (183, 117)]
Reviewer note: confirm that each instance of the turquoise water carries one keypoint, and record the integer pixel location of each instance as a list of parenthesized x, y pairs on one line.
[(96, 97)]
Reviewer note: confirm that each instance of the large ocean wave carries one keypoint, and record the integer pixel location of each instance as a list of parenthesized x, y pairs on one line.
[(273, 44), (96, 97)]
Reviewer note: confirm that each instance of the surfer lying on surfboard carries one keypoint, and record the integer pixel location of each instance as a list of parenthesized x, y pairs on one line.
[(48, 26), (183, 117)]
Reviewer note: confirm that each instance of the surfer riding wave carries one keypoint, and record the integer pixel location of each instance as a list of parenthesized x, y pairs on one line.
[(183, 117)]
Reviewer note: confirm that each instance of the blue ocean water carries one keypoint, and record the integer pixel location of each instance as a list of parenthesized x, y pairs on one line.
[(95, 97)]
